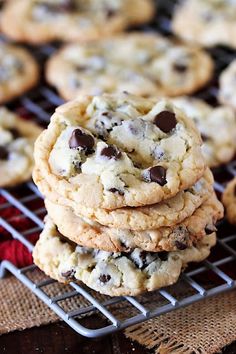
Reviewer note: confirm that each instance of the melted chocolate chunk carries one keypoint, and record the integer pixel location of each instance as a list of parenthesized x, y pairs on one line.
[(165, 121), (15, 133), (111, 152), (104, 278), (115, 190), (158, 175), (180, 245), (163, 255), (235, 190), (69, 274), (180, 68), (82, 140), (3, 153)]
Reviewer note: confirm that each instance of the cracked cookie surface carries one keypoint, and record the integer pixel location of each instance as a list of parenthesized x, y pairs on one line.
[(40, 21), (17, 137), (140, 63), (114, 273), (86, 232), (18, 71), (112, 151), (218, 148), (206, 22)]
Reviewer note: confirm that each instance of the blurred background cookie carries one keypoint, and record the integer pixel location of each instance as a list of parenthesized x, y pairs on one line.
[(40, 21), (227, 80), (140, 63), (206, 22), (17, 137), (217, 127), (19, 71)]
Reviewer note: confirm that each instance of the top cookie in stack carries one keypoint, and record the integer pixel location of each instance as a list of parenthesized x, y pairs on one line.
[(125, 178)]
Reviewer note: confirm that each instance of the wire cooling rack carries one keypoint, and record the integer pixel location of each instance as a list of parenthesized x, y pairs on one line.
[(71, 302)]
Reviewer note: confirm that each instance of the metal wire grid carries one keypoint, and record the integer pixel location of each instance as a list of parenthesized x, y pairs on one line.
[(203, 280)]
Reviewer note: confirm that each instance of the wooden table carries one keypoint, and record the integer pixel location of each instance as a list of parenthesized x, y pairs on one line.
[(60, 339)]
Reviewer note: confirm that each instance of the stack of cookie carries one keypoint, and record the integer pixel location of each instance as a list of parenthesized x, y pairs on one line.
[(130, 201)]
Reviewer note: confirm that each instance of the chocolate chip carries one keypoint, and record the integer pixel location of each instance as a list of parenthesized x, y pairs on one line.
[(82, 140), (158, 175), (115, 190), (204, 137), (143, 257), (68, 5), (180, 245), (15, 133), (165, 121), (107, 114), (181, 68), (80, 67), (104, 278), (111, 153), (123, 245), (69, 274), (163, 255), (110, 13), (235, 190), (3, 153)]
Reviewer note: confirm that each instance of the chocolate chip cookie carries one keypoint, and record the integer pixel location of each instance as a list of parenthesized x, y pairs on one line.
[(86, 232), (167, 213), (40, 21), (227, 90), (140, 63), (17, 137), (229, 201), (119, 150), (114, 273), (206, 22), (18, 71), (217, 127)]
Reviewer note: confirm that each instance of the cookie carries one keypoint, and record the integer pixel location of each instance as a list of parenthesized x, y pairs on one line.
[(218, 148), (206, 22), (18, 71), (120, 150), (229, 201), (167, 213), (227, 83), (140, 63), (17, 137), (114, 274), (40, 21), (86, 232)]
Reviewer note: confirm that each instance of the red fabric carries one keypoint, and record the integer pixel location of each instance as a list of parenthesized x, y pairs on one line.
[(10, 249), (15, 252)]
